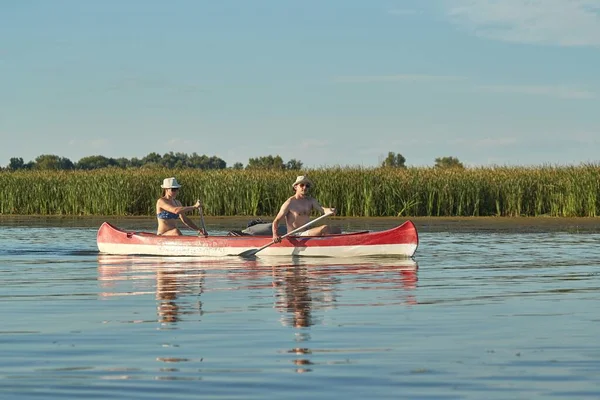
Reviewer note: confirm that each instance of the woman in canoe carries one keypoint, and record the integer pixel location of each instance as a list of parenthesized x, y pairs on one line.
[(169, 210)]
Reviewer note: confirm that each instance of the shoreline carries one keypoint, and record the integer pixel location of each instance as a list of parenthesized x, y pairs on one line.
[(423, 224)]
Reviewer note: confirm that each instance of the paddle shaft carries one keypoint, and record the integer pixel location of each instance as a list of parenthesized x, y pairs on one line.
[(202, 221), (309, 223), (201, 211)]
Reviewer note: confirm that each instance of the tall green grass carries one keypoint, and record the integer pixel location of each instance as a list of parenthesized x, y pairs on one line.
[(572, 191)]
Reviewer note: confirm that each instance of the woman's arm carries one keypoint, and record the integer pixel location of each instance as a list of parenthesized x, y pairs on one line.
[(190, 224), (179, 209), (187, 221)]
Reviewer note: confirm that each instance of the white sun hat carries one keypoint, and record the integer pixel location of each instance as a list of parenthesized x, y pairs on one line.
[(170, 183), (302, 179)]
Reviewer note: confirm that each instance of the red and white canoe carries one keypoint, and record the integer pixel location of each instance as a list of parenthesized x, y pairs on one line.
[(400, 241)]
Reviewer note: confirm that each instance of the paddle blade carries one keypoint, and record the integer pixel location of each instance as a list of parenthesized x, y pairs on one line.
[(249, 253), (252, 252)]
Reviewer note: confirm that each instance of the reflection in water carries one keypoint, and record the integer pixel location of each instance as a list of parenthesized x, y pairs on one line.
[(166, 294), (302, 363), (172, 280), (300, 285), (304, 288), (294, 297)]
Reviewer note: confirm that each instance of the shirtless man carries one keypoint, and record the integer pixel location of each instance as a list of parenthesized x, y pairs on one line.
[(296, 211)]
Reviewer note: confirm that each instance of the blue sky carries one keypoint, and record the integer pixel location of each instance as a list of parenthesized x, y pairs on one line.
[(330, 82)]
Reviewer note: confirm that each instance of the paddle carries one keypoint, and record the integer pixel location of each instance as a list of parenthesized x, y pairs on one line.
[(251, 252), (201, 211)]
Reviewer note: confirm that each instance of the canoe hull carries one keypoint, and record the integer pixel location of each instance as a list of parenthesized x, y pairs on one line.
[(399, 241)]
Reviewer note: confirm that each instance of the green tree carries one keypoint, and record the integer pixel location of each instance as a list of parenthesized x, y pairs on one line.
[(197, 161), (238, 165), (16, 163), (205, 162), (135, 162), (51, 161), (175, 160), (215, 162), (294, 164), (448, 162), (123, 162), (268, 162), (95, 162), (394, 160), (152, 158)]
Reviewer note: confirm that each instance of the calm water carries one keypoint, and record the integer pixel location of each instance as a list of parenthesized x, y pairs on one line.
[(485, 316)]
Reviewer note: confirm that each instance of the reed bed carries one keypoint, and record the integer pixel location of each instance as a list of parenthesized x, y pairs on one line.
[(571, 191)]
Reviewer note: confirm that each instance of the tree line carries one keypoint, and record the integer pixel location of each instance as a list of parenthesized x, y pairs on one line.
[(183, 160), (394, 160), (152, 160)]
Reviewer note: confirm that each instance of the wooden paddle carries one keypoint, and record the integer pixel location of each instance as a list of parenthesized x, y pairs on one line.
[(251, 252)]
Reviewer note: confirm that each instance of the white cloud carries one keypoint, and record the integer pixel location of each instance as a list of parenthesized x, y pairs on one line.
[(397, 78), (556, 91), (555, 22)]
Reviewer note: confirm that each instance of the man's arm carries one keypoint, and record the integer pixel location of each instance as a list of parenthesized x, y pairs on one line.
[(321, 209), (285, 208)]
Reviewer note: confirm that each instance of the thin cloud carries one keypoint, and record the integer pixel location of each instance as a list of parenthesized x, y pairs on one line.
[(553, 22), (397, 78), (556, 91), (309, 144), (93, 144), (484, 143), (585, 138), (180, 143), (133, 84), (403, 11)]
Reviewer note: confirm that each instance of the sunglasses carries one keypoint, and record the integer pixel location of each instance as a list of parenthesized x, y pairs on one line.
[(174, 189), (306, 185)]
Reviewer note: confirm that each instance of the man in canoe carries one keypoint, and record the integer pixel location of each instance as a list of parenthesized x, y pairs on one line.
[(297, 209), (169, 210)]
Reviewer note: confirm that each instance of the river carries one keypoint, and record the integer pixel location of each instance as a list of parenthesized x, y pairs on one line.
[(478, 313)]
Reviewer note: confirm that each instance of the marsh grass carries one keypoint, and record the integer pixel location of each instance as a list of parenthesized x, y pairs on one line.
[(571, 191)]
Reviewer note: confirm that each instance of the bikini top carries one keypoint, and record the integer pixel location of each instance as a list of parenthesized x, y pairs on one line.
[(164, 214)]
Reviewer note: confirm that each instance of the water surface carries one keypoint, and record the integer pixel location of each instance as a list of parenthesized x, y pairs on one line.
[(475, 315)]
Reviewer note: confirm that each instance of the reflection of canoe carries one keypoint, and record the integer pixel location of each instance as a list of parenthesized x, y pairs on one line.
[(400, 241), (111, 266), (349, 264), (301, 285)]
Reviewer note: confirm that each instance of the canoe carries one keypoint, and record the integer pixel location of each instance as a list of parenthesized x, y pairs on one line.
[(401, 241)]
